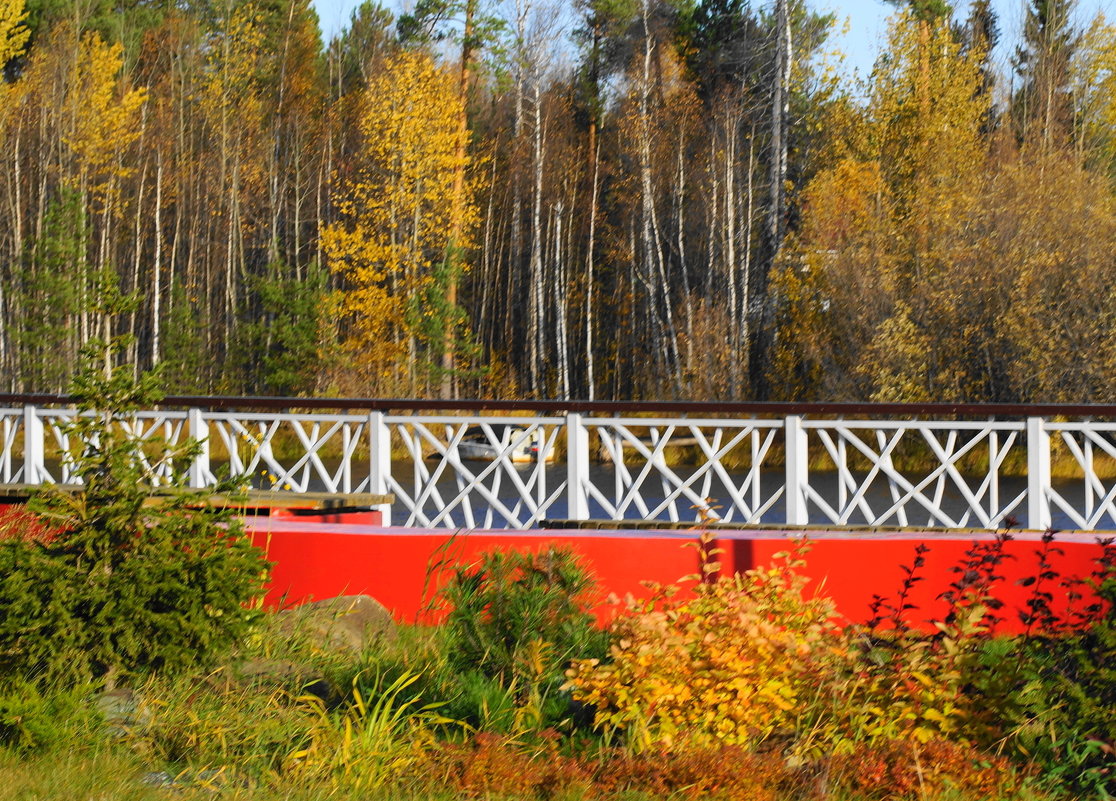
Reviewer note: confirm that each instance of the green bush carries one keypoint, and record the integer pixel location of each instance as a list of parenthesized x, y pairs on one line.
[(1061, 712), (517, 619), (122, 582), (34, 718)]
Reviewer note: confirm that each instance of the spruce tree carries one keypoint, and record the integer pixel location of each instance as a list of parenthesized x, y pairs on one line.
[(133, 572), (1043, 106)]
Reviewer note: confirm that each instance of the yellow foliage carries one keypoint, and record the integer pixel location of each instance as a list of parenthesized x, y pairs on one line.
[(1052, 222), (829, 278), (397, 213), (104, 115), (925, 117), (231, 99), (13, 32), (897, 360), (1094, 87), (890, 222), (755, 656), (231, 64), (13, 38), (736, 664), (842, 202)]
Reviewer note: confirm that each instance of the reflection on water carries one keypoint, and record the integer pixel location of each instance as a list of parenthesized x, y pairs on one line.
[(545, 486), (878, 498)]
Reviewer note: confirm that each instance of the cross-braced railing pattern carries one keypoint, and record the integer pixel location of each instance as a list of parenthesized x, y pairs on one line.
[(798, 467), (679, 468), (437, 486), (158, 437), (961, 488), (1091, 449), (11, 429), (296, 453)]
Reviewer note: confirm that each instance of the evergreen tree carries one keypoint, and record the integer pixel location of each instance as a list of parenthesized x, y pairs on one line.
[(980, 36), (51, 291), (361, 48), (278, 344), (184, 369), (1043, 106), (725, 45), (117, 585)]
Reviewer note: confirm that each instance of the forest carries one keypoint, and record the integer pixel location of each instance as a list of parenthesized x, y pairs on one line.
[(598, 199)]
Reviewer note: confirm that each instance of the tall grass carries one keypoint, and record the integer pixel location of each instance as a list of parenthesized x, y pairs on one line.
[(377, 738), (471, 709)]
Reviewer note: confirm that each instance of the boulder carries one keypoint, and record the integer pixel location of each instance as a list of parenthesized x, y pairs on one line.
[(348, 622), (123, 711)]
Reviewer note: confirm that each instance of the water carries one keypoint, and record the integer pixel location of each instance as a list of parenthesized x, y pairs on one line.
[(549, 499), (877, 498)]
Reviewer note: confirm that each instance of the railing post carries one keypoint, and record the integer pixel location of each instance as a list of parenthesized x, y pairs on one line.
[(577, 467), (347, 455), (1038, 475), (199, 433), (34, 447), (797, 467), (379, 460)]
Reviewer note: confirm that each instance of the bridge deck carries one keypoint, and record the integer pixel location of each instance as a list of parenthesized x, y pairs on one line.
[(263, 500)]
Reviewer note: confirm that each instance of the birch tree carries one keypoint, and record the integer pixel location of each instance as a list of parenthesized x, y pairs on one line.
[(396, 226)]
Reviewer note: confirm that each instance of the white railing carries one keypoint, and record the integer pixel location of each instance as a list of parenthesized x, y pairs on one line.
[(780, 465)]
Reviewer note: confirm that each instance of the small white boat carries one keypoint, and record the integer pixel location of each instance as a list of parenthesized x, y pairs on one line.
[(476, 444)]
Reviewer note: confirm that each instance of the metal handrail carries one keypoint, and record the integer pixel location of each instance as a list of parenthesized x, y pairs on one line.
[(556, 406)]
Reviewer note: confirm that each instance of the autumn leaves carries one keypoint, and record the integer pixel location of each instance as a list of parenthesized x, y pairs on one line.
[(392, 242), (953, 247)]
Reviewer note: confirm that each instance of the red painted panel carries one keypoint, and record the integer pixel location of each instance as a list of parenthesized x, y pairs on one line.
[(316, 557), (852, 570), (403, 568)]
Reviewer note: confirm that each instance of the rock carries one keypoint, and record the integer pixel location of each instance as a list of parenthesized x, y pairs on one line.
[(123, 711), (348, 622), (213, 780), (343, 626)]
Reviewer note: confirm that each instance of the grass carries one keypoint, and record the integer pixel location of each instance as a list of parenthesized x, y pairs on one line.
[(101, 773), (112, 772), (377, 735), (287, 717)]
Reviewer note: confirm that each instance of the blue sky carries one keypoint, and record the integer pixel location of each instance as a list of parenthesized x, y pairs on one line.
[(860, 44)]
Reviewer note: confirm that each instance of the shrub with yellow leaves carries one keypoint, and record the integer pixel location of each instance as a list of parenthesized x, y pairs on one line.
[(756, 659), (738, 662)]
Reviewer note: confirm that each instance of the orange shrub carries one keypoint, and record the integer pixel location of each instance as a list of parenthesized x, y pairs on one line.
[(735, 664), (754, 657), (498, 767), (902, 770), (494, 766), (727, 773)]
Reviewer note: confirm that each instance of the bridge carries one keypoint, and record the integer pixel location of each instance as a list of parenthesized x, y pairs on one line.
[(524, 464)]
